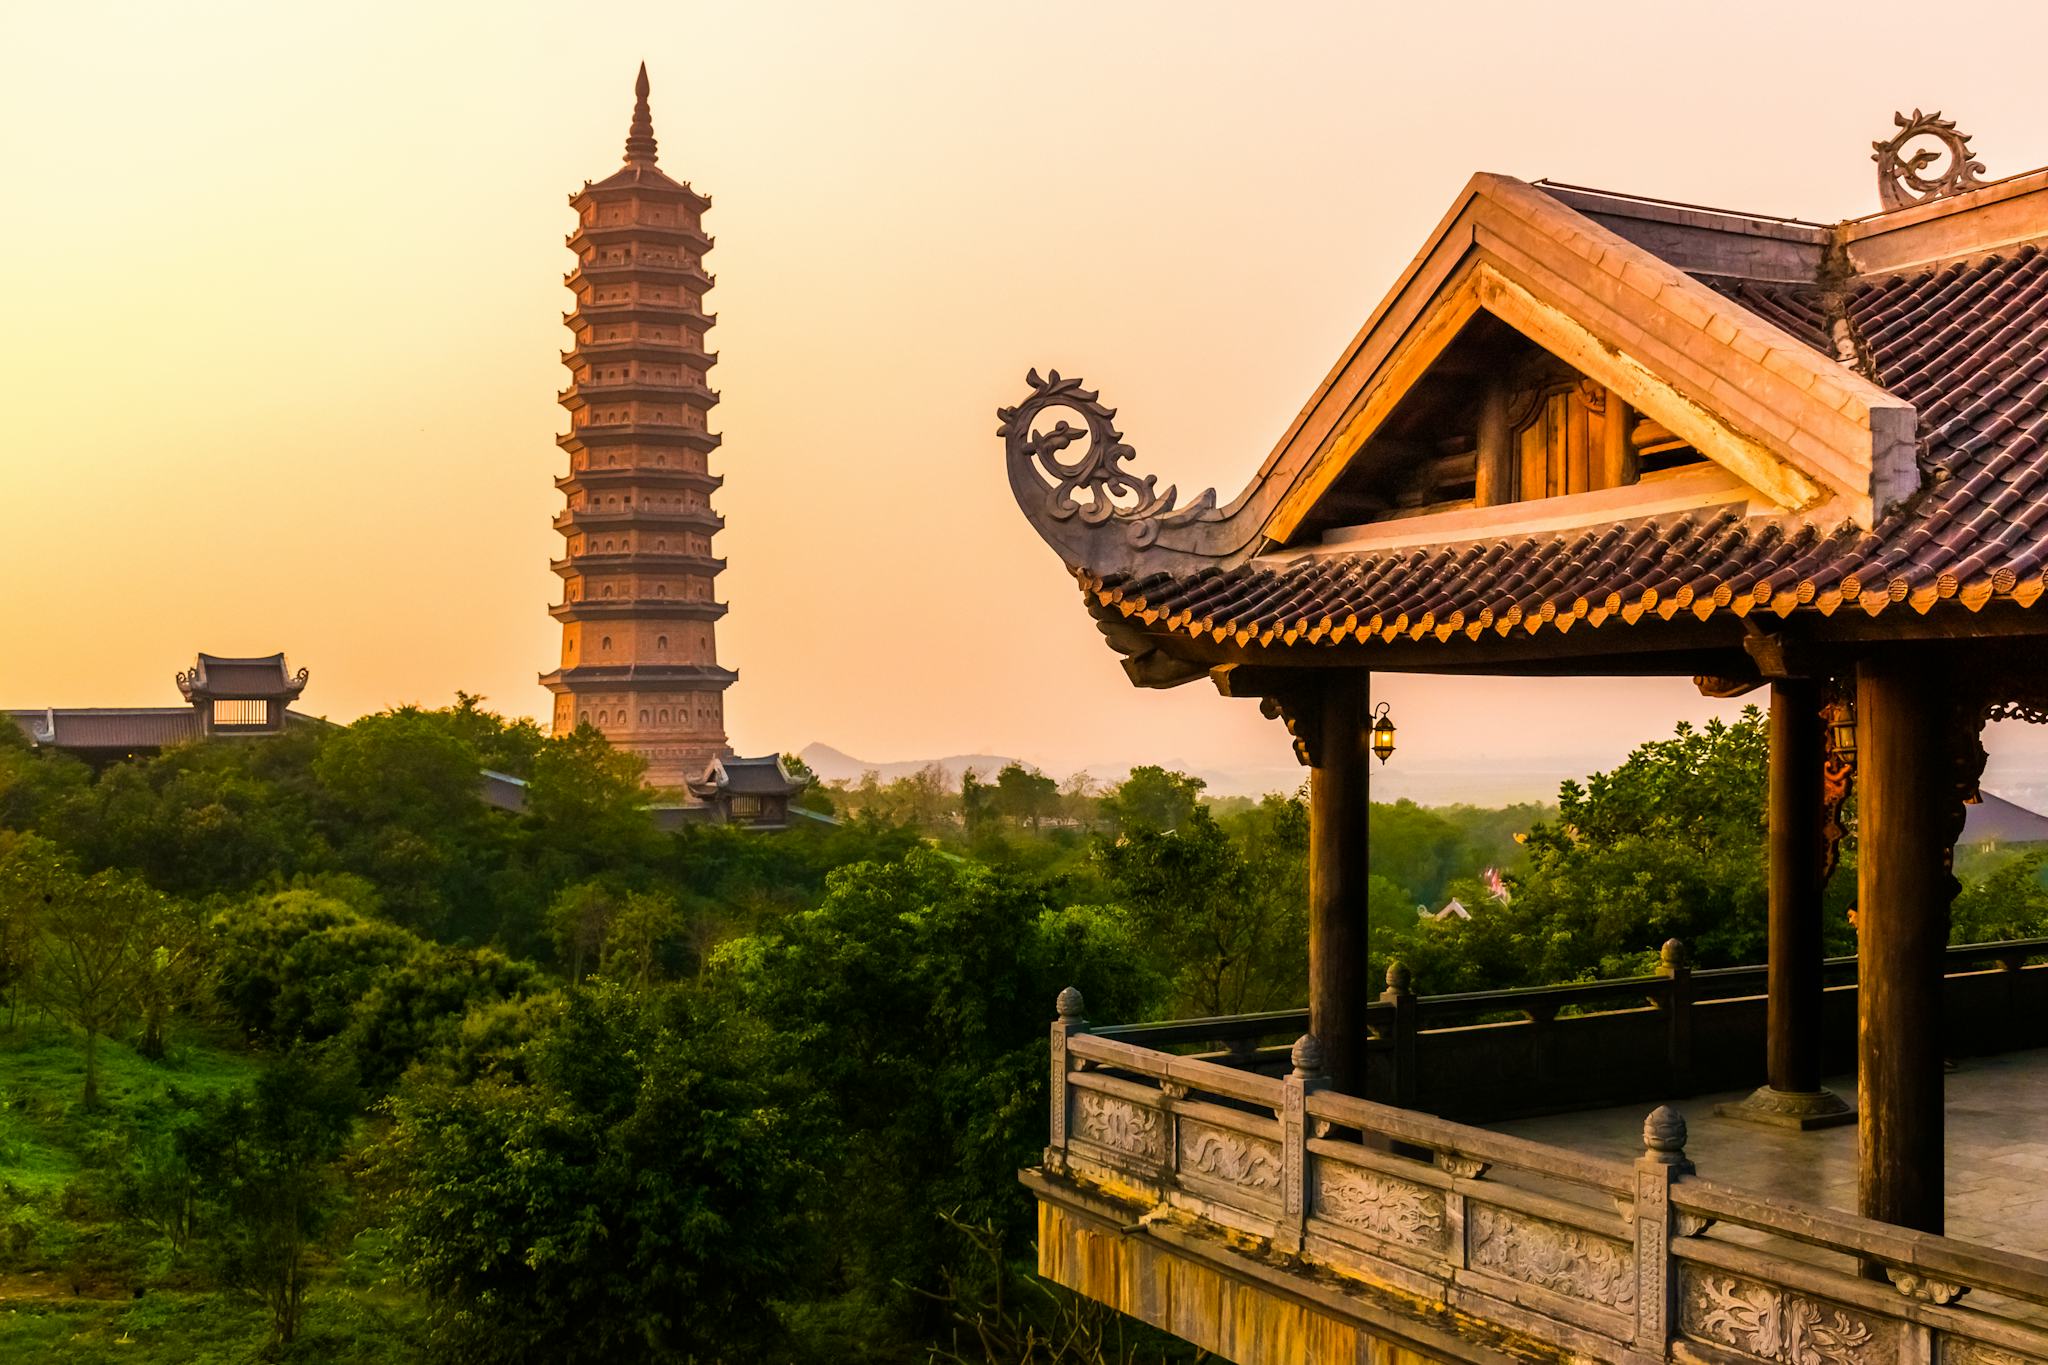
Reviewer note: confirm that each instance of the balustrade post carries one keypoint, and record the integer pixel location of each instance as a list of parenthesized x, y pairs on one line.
[(1674, 968), (1067, 1022), (1663, 1161), (1399, 996), (1294, 1182)]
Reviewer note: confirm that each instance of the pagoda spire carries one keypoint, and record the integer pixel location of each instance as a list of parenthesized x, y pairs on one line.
[(640, 137)]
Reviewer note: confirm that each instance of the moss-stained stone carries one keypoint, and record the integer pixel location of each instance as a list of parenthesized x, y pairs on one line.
[(1251, 1305)]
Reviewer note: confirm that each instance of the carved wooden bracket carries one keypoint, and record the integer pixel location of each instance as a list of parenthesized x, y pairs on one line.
[(1837, 773), (1284, 695)]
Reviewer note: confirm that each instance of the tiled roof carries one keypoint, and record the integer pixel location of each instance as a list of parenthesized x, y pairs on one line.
[(1967, 345), (111, 727)]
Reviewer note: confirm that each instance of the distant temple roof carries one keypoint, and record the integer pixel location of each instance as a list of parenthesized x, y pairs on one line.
[(747, 777), (262, 678), (240, 697)]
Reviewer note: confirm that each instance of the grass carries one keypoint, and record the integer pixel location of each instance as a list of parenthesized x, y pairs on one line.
[(80, 1285), (48, 1137), (344, 1327)]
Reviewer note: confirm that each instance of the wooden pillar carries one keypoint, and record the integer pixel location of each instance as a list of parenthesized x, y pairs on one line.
[(1338, 808), (1494, 473), (1795, 887), (1793, 1096), (1904, 777)]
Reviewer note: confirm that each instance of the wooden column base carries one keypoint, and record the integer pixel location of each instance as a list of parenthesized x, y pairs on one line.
[(1798, 1109)]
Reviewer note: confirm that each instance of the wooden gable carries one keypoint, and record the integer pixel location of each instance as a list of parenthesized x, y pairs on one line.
[(1516, 329)]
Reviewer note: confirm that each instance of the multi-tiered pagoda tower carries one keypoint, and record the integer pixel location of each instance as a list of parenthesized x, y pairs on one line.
[(639, 653)]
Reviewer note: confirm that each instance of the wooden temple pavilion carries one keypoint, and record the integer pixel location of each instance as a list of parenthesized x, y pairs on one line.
[(1589, 433), (226, 698)]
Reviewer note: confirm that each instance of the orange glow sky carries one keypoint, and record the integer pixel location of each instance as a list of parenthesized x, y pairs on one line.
[(285, 289)]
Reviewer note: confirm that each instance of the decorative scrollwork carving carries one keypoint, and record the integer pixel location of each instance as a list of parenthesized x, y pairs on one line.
[(1391, 1210), (1113, 492), (1229, 1158), (1120, 1126), (1902, 180), (1551, 1256)]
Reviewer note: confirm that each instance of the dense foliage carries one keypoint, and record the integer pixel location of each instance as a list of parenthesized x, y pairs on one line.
[(310, 1053)]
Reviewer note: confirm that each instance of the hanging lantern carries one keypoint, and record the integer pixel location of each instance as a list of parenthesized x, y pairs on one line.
[(1841, 729), (1382, 733)]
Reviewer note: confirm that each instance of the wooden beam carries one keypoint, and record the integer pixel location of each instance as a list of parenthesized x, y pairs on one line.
[(1617, 453), (1339, 985), (1903, 890)]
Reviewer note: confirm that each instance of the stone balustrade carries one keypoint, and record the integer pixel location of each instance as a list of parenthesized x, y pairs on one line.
[(1454, 1242)]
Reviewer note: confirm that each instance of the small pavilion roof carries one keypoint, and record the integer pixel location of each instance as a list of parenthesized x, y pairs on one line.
[(110, 727), (1931, 319), (262, 677), (766, 776)]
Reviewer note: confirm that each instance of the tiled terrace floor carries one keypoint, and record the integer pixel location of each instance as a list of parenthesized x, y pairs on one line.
[(1997, 1149)]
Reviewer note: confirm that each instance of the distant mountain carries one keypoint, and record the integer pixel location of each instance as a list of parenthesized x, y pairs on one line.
[(833, 766), (1995, 820), (1481, 784)]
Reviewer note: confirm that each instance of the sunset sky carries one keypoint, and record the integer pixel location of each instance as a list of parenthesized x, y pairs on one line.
[(286, 288)]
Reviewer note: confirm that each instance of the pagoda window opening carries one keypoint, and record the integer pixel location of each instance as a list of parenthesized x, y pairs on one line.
[(583, 719), (232, 712), (664, 715), (661, 642), (605, 644), (643, 715)]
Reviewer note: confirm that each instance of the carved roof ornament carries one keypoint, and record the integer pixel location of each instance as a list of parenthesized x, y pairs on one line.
[(1902, 180), (1094, 488)]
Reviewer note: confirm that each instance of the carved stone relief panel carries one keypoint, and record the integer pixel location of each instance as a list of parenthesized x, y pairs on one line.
[(1381, 1206), (1119, 1126), (1777, 1324), (1231, 1158), (1564, 1260)]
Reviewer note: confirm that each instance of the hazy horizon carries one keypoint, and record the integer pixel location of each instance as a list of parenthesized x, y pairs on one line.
[(288, 288)]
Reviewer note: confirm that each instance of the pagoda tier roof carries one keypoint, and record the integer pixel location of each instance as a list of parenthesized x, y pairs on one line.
[(656, 608), (577, 396), (639, 348), (266, 677), (639, 310), (588, 233), (637, 433), (631, 677), (660, 475), (628, 518), (639, 180), (610, 272), (1876, 449), (648, 559)]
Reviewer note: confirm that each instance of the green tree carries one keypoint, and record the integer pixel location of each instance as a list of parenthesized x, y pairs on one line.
[(1233, 928), (293, 967), (264, 1159), (639, 1196), (1152, 799), (100, 935), (579, 922), (917, 996), (1025, 795)]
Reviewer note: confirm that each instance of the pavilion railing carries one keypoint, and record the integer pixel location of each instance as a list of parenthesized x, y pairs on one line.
[(1481, 1056), (1607, 1260)]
